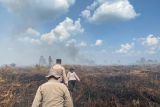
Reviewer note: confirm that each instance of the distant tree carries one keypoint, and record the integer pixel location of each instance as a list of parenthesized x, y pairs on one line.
[(50, 61), (143, 61), (150, 61), (42, 61), (13, 65), (119, 61), (156, 61)]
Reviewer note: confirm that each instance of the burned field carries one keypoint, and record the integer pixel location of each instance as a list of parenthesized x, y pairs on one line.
[(100, 86)]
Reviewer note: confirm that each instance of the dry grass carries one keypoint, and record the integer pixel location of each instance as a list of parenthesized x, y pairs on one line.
[(100, 86)]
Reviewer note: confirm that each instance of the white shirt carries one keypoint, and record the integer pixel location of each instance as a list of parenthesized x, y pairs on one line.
[(72, 76)]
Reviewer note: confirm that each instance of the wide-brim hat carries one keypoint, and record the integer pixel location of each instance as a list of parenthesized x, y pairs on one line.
[(53, 74), (56, 71)]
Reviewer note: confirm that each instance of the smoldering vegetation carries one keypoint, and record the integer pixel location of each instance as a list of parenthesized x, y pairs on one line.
[(100, 86)]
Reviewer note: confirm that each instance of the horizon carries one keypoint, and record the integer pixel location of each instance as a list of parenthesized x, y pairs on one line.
[(46, 64)]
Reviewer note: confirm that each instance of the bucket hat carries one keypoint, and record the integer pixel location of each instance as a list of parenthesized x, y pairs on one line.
[(56, 71)]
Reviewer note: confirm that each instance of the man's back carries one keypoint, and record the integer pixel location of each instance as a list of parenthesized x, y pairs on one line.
[(52, 94)]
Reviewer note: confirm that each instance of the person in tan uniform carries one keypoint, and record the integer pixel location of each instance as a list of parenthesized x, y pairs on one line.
[(61, 70), (53, 93)]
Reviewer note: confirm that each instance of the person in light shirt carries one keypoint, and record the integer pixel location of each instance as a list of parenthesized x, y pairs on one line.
[(72, 78)]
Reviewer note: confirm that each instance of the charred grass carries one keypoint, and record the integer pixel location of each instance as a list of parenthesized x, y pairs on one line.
[(100, 86)]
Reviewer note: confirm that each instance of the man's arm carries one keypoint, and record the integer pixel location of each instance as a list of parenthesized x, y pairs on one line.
[(68, 74), (65, 77), (37, 99), (67, 98), (76, 76)]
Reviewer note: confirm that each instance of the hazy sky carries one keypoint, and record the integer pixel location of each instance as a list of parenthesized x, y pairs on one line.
[(79, 31)]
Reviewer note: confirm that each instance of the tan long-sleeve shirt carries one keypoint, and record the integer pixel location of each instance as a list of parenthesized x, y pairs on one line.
[(52, 94)]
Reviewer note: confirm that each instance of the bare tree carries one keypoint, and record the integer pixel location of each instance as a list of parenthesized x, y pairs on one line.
[(50, 61), (42, 61)]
